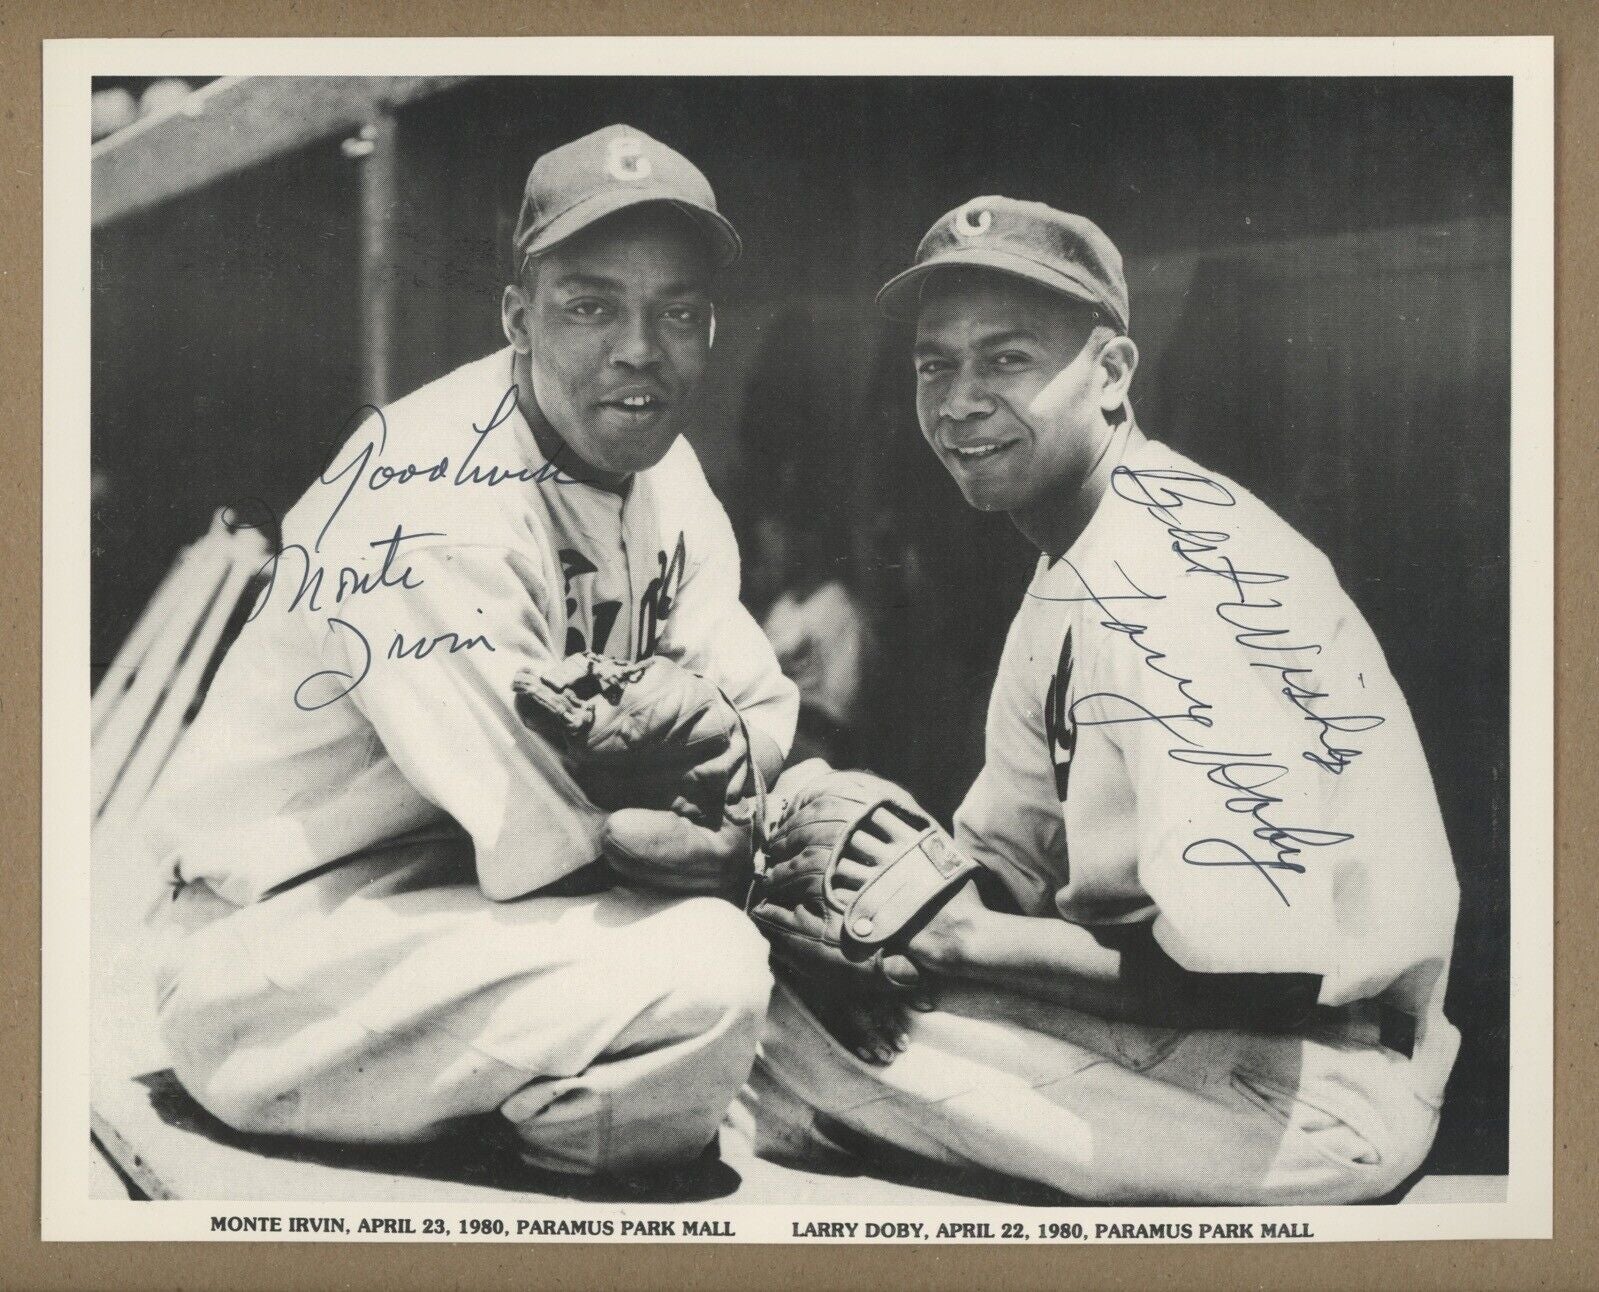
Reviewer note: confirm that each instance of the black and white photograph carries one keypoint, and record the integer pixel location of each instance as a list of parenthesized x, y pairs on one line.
[(862, 641)]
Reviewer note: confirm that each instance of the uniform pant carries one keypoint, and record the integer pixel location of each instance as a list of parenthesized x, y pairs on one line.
[(378, 1000), (1113, 1112)]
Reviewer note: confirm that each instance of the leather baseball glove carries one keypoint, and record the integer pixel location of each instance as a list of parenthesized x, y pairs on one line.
[(854, 868), (664, 752)]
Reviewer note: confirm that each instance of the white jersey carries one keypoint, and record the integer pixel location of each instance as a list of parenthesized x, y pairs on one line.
[(1194, 726), (370, 694)]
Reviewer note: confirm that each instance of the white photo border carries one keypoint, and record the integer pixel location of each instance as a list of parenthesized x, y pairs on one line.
[(68, 1212)]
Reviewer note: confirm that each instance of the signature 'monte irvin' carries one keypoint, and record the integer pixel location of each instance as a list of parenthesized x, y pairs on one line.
[(317, 588)]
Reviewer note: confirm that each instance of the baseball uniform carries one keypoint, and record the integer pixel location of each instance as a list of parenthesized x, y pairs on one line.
[(1192, 729), (356, 820)]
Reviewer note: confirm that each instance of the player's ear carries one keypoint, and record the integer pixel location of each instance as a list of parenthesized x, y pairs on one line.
[(1118, 360), (710, 335), (514, 310)]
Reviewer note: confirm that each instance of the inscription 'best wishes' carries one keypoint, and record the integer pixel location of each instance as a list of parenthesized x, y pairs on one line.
[(1249, 610)]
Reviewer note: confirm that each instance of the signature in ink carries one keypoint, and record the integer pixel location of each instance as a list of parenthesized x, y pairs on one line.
[(1298, 691), (350, 581), (1245, 606), (326, 686), (1195, 710), (1246, 778), (310, 696), (1162, 493)]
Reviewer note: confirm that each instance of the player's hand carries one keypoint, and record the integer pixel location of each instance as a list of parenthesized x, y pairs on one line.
[(939, 946), (936, 944), (671, 852), (872, 1026), (855, 870)]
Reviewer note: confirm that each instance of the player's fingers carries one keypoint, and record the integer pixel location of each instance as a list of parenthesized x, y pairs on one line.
[(841, 1023), (874, 851), (891, 826), (851, 874), (891, 1025), (687, 810), (798, 780), (902, 972), (857, 1019), (872, 1034), (712, 772)]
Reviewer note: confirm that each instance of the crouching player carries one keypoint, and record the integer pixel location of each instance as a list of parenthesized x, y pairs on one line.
[(371, 855), (1190, 940)]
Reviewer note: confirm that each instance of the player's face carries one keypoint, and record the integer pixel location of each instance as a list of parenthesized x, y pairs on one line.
[(1008, 389), (617, 325)]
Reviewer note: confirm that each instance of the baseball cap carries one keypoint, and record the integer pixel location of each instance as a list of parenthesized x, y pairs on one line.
[(1067, 253), (572, 186)]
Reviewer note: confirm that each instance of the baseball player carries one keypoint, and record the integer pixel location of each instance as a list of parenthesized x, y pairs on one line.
[(1190, 939), (385, 880)]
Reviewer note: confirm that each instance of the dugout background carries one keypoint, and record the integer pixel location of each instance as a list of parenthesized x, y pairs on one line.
[(1319, 273)]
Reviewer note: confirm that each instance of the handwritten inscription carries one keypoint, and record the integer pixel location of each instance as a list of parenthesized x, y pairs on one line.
[(297, 580), (349, 581), (1184, 504), (424, 645), (364, 468)]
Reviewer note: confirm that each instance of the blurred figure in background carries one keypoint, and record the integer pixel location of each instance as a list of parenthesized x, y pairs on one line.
[(823, 636)]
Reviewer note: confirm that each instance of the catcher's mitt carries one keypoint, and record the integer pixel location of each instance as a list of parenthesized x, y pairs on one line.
[(854, 868), (666, 754)]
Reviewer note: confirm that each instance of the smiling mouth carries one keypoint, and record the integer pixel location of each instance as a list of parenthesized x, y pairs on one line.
[(638, 405), (978, 452)]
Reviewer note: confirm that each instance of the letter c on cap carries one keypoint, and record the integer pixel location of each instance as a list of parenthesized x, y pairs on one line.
[(973, 222), (625, 159)]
